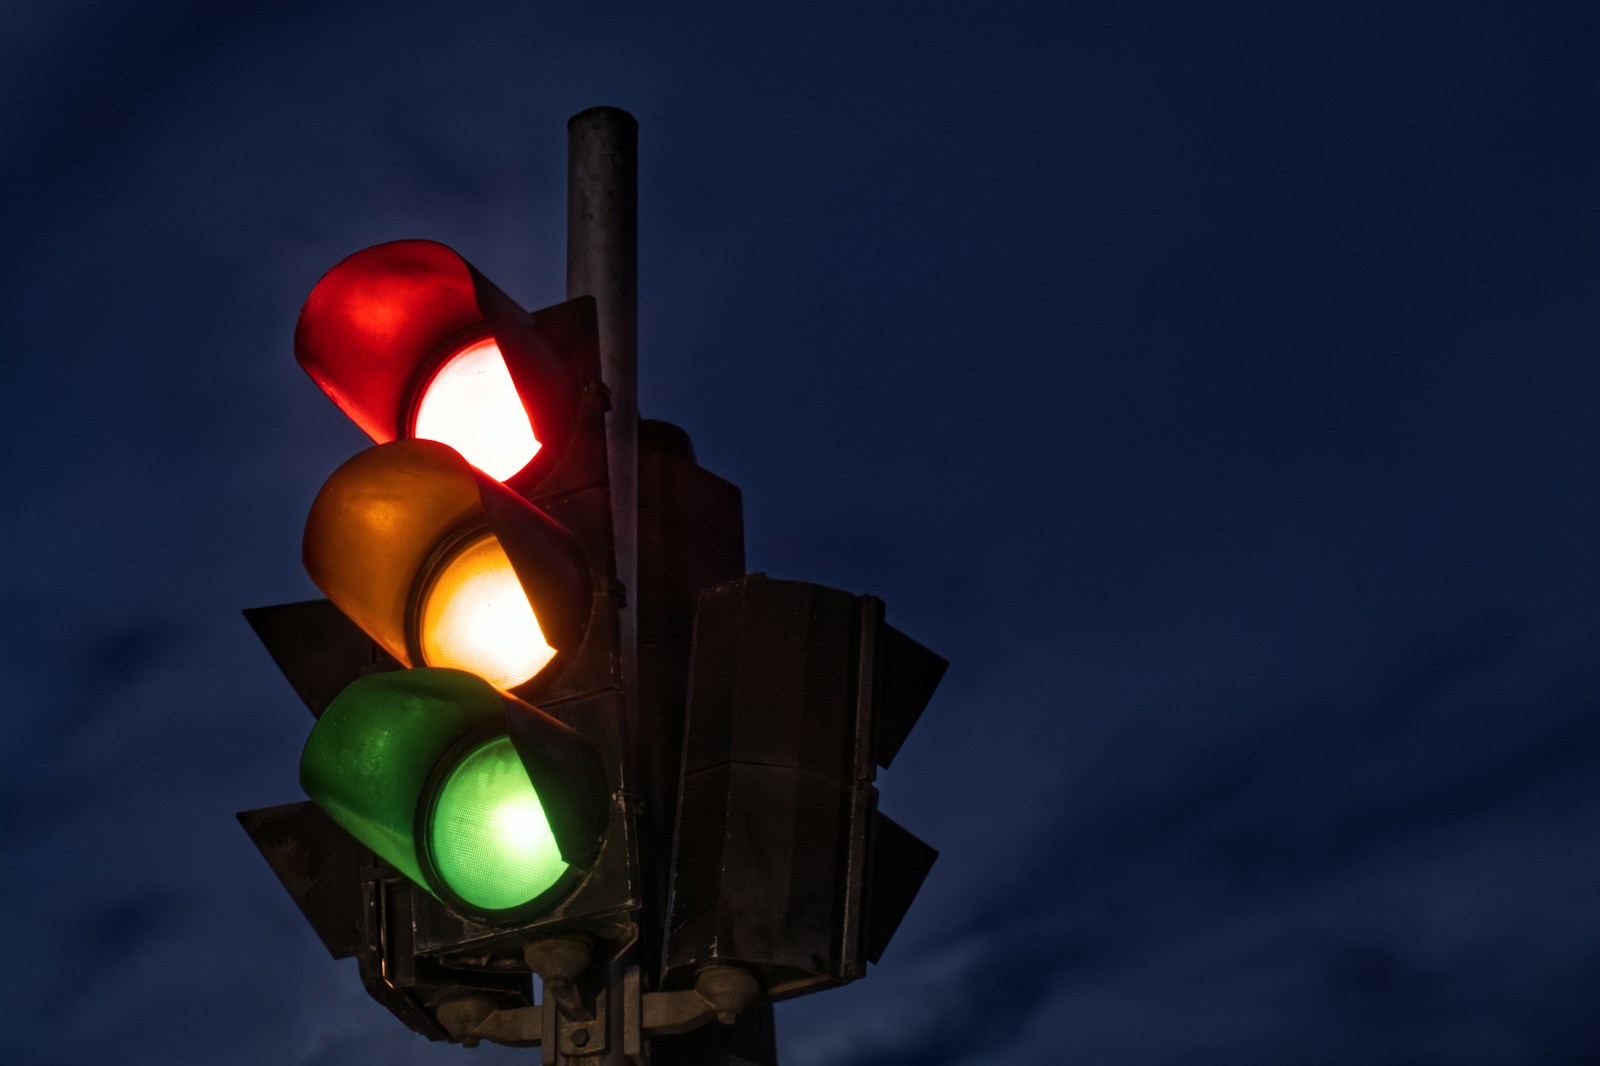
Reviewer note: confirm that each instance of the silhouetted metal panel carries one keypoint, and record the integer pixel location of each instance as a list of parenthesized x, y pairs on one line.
[(320, 864), (794, 689), (319, 650), (900, 863)]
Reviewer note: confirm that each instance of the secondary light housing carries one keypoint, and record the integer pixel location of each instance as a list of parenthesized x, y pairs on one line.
[(490, 804), (410, 340), (444, 566)]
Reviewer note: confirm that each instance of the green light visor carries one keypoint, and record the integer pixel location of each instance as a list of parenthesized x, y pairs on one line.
[(418, 766)]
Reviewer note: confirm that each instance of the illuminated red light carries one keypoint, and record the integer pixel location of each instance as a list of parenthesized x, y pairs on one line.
[(410, 341), (472, 405)]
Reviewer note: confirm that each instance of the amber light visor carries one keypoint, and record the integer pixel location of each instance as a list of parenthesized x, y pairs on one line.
[(444, 566), (396, 335)]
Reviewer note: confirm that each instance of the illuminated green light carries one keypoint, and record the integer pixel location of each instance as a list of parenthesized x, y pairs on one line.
[(488, 835), (419, 766)]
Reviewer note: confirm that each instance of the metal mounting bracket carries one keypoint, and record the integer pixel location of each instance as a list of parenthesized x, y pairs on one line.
[(575, 1016)]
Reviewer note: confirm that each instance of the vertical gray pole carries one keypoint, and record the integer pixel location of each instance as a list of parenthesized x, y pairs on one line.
[(603, 262)]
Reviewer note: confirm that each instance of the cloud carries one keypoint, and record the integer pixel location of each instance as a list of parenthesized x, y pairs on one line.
[(1330, 882)]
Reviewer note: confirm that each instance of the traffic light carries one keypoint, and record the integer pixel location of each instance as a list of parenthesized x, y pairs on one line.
[(668, 815), (410, 340), (444, 566), (798, 693), (435, 770), (470, 735)]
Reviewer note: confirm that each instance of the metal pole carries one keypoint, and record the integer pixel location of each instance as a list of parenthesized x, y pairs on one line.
[(603, 262)]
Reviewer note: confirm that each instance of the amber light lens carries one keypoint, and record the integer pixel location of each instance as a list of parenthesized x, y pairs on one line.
[(475, 616), (472, 405)]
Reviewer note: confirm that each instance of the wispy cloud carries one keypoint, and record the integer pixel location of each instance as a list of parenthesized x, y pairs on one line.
[(1345, 885)]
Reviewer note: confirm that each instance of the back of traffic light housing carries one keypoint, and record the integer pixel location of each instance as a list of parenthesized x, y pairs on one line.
[(784, 866)]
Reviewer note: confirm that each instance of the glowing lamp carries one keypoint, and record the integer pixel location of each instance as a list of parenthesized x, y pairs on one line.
[(472, 405), (410, 341), (485, 801), (444, 566), (474, 616), (487, 832)]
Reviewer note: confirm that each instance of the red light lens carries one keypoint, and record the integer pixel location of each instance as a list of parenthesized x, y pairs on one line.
[(472, 405)]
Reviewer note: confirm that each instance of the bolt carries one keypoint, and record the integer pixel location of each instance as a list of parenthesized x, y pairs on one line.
[(580, 1037)]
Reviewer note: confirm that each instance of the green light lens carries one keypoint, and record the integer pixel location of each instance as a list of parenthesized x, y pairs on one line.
[(489, 837)]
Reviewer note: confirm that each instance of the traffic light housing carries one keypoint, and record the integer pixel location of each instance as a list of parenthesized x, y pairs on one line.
[(444, 566), (478, 808), (491, 805), (470, 736), (784, 866), (410, 340)]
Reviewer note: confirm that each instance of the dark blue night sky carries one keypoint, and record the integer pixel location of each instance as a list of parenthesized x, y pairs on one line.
[(1215, 385)]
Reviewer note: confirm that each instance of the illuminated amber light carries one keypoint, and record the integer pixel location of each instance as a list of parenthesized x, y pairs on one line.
[(475, 617), (472, 405)]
